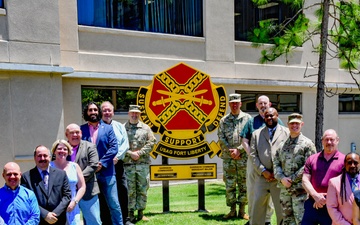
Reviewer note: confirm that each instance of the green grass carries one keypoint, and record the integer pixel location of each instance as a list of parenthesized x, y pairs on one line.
[(184, 205)]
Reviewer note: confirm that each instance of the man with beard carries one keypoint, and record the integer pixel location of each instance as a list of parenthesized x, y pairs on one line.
[(289, 164), (340, 197), (103, 136), (137, 161), (123, 145), (319, 169), (264, 143), (234, 157), (263, 102), (86, 156), (50, 186)]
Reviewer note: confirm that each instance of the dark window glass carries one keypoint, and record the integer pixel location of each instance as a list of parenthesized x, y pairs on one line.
[(282, 101), (247, 16), (349, 103), (183, 17), (120, 97), (1, 3)]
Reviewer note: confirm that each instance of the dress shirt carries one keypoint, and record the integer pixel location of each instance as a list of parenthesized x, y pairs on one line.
[(93, 132), (122, 139), (19, 206)]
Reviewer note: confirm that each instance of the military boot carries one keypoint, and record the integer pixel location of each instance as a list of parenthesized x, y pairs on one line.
[(232, 213), (141, 216), (242, 214), (132, 216)]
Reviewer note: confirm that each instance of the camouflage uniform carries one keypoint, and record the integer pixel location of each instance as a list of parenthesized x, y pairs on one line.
[(289, 162), (137, 172), (234, 170)]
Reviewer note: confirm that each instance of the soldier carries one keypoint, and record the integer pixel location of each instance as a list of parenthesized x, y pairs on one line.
[(289, 164), (234, 157), (136, 162)]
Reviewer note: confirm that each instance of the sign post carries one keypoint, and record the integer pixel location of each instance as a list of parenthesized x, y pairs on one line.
[(182, 105)]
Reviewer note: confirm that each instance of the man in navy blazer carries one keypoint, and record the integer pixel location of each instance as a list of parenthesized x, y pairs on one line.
[(54, 197), (102, 134)]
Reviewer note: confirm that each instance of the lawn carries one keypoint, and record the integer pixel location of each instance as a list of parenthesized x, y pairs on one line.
[(184, 205)]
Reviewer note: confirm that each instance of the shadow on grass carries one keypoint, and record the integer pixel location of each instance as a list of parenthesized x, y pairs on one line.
[(212, 189), (202, 214)]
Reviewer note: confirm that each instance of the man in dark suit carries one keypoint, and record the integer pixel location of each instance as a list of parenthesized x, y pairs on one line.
[(86, 156), (264, 144), (102, 134), (50, 186)]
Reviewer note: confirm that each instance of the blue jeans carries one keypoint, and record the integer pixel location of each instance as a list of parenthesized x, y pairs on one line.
[(108, 188), (90, 211)]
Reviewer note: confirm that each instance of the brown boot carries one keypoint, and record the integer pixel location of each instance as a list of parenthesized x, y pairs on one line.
[(132, 216), (232, 213), (242, 214), (141, 216)]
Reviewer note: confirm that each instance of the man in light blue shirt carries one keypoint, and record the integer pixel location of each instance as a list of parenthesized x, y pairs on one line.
[(18, 205), (123, 145)]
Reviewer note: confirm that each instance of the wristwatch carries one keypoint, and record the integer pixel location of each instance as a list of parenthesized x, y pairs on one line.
[(76, 201)]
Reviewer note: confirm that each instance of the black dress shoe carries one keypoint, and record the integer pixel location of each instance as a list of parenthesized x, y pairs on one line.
[(267, 223)]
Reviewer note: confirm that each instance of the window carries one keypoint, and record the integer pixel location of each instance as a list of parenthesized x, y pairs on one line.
[(183, 17), (349, 103), (1, 3), (120, 97), (282, 101), (248, 15)]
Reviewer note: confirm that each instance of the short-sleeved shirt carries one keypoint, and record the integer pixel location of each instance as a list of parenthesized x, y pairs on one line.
[(254, 124), (322, 171)]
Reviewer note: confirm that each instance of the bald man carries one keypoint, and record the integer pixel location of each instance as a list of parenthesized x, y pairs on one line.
[(86, 156), (18, 205)]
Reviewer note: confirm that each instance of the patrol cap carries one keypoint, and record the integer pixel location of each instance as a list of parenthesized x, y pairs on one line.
[(295, 118), (134, 108), (235, 98)]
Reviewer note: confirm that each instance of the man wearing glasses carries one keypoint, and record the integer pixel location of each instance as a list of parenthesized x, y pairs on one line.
[(319, 169)]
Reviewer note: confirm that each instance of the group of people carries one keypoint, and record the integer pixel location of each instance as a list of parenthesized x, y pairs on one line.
[(102, 170), (268, 167)]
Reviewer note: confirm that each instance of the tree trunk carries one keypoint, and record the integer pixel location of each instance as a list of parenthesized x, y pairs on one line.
[(321, 77)]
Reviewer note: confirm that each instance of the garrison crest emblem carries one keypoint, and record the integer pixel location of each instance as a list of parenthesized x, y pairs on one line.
[(182, 105)]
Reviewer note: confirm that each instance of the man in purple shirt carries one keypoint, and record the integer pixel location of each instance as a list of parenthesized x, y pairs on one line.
[(319, 169)]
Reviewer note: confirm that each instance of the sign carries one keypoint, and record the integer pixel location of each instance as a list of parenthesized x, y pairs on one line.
[(182, 105), (183, 172)]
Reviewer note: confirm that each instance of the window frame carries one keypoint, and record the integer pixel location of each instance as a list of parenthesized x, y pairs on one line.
[(117, 110), (275, 103), (353, 103)]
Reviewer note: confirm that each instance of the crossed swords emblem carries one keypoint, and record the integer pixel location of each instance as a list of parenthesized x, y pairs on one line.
[(175, 96)]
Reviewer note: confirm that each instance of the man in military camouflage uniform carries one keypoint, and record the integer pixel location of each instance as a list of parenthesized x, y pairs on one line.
[(234, 157), (289, 164), (137, 161)]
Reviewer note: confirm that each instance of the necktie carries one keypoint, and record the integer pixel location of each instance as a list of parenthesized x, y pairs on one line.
[(354, 185), (271, 133), (46, 179)]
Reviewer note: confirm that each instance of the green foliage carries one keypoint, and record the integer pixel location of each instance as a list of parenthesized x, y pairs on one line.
[(344, 33), (348, 35), (123, 96), (95, 95), (294, 35)]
